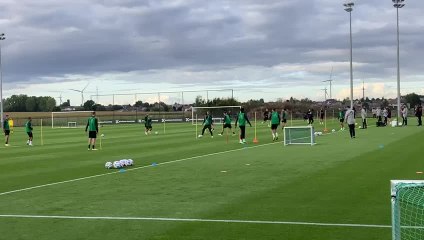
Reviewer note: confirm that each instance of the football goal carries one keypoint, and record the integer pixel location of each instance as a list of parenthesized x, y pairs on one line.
[(217, 113), (299, 135), (407, 209), (71, 119)]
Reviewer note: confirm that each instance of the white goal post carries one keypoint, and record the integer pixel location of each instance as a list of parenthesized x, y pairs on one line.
[(407, 209), (70, 119), (299, 135), (217, 119)]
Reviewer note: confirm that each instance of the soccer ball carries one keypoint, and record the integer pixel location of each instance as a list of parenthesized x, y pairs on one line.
[(200, 136), (117, 164), (108, 165), (333, 130), (123, 162), (130, 162), (102, 135), (356, 124), (156, 133)]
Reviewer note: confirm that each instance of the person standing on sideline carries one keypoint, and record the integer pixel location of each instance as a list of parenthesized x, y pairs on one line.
[(341, 119), (350, 120), (321, 116), (389, 115), (378, 115), (283, 118), (28, 129), (275, 121), (364, 117), (385, 114), (207, 124), (241, 120), (419, 114), (93, 130), (404, 116), (6, 130)]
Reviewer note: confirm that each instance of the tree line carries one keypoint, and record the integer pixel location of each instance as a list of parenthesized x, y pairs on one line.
[(24, 103)]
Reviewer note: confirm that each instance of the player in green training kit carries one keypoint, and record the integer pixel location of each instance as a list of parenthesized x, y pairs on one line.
[(207, 124), (341, 119), (275, 121), (6, 130), (227, 123), (241, 120), (28, 130), (93, 130), (148, 124)]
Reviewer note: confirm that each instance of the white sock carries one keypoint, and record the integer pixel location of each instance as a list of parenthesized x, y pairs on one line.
[(276, 134), (273, 135)]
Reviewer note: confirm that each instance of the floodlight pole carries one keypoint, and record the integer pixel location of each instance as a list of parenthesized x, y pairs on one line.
[(2, 37), (398, 4), (349, 9)]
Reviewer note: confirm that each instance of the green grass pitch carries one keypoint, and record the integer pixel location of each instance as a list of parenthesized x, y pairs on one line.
[(204, 188)]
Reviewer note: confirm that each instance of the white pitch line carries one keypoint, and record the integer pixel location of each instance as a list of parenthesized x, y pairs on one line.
[(131, 169), (201, 220)]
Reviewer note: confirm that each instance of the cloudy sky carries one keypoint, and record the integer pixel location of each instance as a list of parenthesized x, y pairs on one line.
[(261, 49)]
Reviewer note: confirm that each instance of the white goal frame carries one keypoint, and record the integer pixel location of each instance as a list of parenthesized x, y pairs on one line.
[(194, 120), (393, 184), (75, 124), (66, 112), (311, 129)]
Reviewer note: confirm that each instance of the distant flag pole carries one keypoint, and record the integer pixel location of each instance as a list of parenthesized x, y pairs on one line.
[(196, 126), (164, 120), (291, 118), (325, 121), (255, 140), (41, 134)]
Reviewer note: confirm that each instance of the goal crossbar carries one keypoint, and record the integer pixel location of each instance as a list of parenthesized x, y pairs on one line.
[(194, 115), (66, 113)]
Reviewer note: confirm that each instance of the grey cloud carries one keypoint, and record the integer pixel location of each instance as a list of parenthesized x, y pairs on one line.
[(47, 39)]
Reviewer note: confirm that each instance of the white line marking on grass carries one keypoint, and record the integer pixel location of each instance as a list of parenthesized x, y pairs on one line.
[(131, 169), (201, 220)]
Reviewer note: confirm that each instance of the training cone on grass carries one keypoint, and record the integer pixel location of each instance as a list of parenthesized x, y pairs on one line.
[(325, 130), (255, 140)]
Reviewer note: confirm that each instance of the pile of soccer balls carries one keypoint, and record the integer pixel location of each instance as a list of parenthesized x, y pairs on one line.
[(317, 133), (119, 164)]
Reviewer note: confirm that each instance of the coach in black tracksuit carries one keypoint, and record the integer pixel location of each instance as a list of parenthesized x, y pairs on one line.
[(419, 114)]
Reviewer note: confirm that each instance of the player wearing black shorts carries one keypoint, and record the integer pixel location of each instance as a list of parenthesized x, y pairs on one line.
[(341, 119), (321, 116), (93, 129), (266, 116), (148, 125), (227, 123), (207, 124), (283, 118), (241, 121), (275, 121), (28, 130), (6, 130)]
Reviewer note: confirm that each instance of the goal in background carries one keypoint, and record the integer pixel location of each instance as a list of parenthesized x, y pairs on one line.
[(217, 113), (407, 209), (70, 119), (299, 135)]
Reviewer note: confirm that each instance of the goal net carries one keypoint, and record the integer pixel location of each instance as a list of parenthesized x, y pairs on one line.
[(198, 113), (407, 210), (299, 135), (71, 119)]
